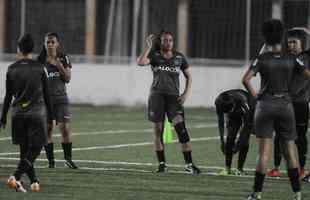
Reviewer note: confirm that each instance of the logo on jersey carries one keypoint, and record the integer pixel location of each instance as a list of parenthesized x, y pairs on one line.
[(53, 74), (168, 69)]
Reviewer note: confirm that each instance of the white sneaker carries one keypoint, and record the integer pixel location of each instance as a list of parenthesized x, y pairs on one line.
[(20, 187), (14, 184), (11, 182), (35, 187), (297, 196)]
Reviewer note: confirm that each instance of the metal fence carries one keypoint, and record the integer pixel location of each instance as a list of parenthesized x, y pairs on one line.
[(217, 29)]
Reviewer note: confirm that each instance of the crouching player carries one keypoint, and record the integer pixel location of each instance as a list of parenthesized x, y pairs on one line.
[(238, 106)]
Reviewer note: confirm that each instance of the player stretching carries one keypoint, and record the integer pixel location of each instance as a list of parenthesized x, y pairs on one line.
[(239, 106)]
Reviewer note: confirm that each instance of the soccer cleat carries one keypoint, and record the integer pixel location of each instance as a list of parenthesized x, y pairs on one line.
[(192, 169), (297, 196), (20, 187), (306, 178), (17, 185), (225, 172), (238, 172), (162, 168), (274, 173), (35, 187), (70, 164), (255, 196), (11, 182)]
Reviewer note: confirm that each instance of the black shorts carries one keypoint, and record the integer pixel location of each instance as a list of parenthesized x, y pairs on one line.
[(31, 130), (61, 112), (275, 115), (160, 105)]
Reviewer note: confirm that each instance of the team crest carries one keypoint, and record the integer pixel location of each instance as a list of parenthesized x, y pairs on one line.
[(177, 62)]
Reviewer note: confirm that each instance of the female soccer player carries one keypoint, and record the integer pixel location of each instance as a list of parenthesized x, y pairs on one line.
[(274, 109), (59, 74), (26, 84), (164, 99)]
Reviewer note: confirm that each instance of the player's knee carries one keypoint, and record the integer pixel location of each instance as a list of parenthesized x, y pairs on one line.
[(64, 129), (182, 132), (158, 129), (177, 119), (264, 158)]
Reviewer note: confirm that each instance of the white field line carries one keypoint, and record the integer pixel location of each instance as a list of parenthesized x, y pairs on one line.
[(112, 163), (110, 132), (122, 163), (117, 146)]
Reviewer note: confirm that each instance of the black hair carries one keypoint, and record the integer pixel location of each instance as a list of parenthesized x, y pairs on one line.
[(157, 42), (226, 103), (43, 54), (298, 34), (272, 31), (26, 44), (53, 34)]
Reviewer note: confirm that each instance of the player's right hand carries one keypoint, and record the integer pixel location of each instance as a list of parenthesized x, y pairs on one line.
[(149, 40)]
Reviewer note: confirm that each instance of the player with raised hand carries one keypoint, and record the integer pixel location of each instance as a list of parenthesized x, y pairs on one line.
[(164, 98), (59, 74)]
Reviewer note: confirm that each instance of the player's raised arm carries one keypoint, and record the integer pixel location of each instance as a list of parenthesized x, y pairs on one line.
[(143, 59), (64, 67)]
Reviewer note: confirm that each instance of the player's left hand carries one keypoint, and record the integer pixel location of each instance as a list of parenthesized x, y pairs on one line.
[(59, 63), (182, 98)]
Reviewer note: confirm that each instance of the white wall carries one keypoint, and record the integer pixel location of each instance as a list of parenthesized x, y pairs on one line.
[(100, 84)]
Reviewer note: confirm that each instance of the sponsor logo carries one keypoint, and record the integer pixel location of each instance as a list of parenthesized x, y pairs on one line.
[(53, 74), (168, 69)]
